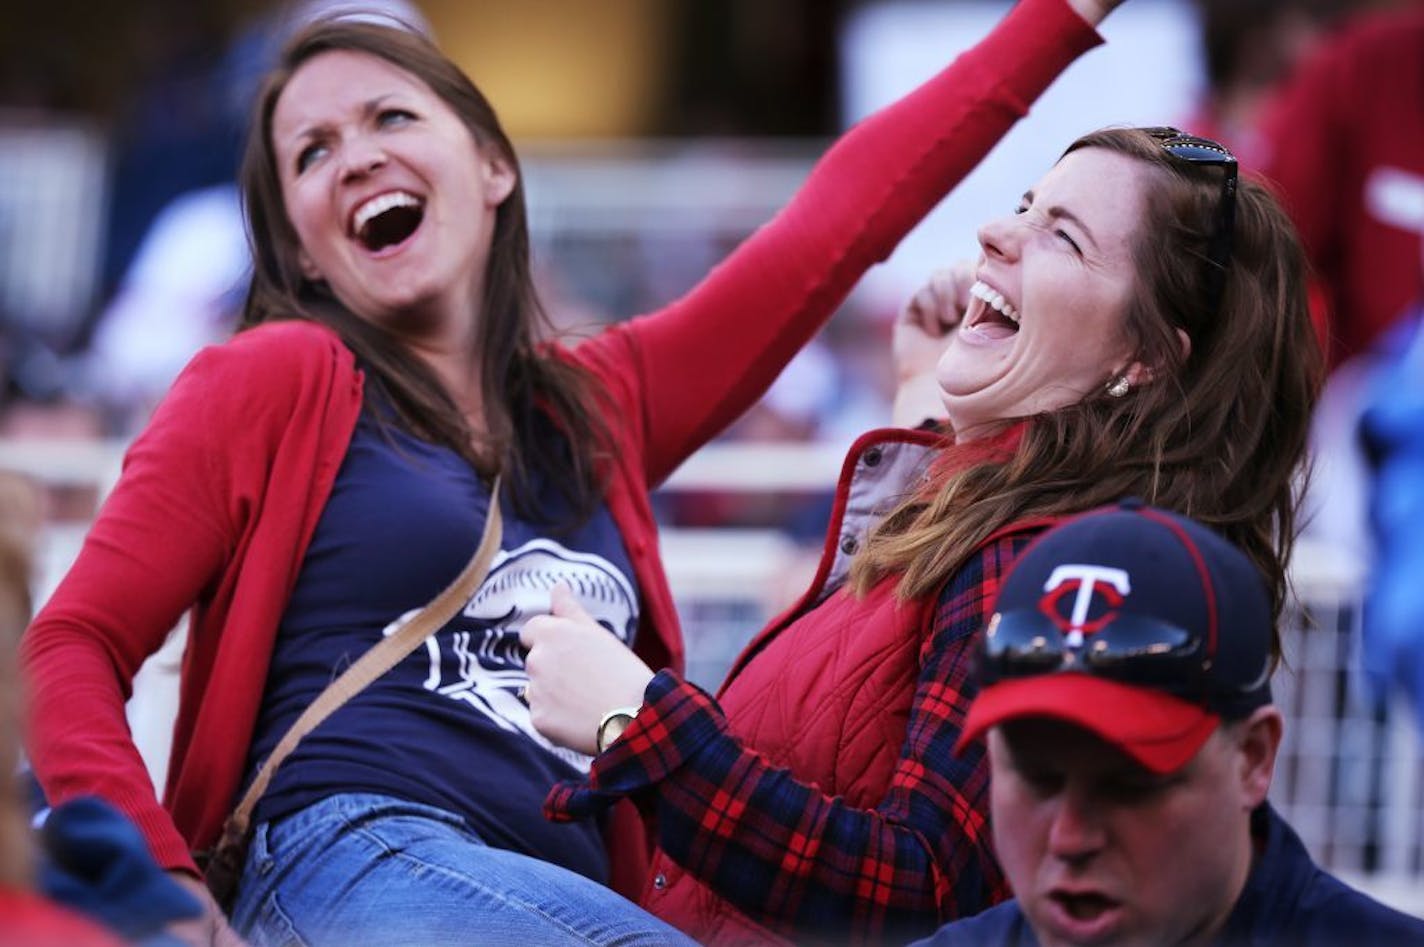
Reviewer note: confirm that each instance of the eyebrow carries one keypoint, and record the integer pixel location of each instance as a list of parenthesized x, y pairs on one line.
[(1058, 212), (368, 108)]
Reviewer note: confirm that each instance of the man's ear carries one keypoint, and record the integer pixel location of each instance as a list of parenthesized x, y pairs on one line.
[(1258, 738), (1140, 373)]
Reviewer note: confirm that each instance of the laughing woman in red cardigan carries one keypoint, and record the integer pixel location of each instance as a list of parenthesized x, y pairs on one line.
[(329, 470), (1136, 326)]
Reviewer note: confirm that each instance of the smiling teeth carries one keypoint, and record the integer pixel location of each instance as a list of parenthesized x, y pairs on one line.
[(379, 205), (994, 299)]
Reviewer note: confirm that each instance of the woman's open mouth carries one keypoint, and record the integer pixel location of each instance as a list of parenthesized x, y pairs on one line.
[(387, 220), (991, 317)]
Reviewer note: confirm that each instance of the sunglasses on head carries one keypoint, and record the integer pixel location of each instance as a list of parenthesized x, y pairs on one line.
[(1131, 649), (1204, 151)]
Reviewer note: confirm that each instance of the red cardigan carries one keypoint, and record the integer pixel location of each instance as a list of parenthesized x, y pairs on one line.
[(220, 493)]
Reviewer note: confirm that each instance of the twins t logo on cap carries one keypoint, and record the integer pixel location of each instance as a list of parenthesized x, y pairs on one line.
[(1131, 621), (1089, 582)]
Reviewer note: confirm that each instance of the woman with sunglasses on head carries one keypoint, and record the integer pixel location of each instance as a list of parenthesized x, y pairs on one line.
[(307, 486), (1137, 326)]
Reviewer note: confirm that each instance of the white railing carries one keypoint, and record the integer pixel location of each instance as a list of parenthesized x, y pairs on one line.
[(1350, 776)]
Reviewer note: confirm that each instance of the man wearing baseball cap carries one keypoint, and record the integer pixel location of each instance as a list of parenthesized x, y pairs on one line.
[(1126, 700)]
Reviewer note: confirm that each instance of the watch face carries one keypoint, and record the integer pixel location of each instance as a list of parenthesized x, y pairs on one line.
[(612, 728)]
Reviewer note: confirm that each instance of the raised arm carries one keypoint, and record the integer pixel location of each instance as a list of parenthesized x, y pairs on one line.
[(679, 376), (898, 870)]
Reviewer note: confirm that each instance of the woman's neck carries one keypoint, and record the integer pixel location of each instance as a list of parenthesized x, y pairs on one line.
[(452, 361)]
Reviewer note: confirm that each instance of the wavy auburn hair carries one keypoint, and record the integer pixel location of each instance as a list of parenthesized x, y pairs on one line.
[(1219, 435), (518, 380)]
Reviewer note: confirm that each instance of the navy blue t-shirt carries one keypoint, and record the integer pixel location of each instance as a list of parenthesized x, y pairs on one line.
[(445, 727)]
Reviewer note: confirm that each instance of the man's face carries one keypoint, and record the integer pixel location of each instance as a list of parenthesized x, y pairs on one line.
[(1102, 851)]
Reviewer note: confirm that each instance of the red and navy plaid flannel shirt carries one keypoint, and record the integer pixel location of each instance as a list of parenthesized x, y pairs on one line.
[(782, 851)]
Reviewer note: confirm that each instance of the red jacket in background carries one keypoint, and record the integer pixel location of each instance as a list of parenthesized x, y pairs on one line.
[(1343, 144)]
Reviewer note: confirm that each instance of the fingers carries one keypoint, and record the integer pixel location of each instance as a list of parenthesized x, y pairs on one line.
[(920, 310), (227, 937), (564, 604), (211, 928), (951, 288), (565, 700), (939, 305)]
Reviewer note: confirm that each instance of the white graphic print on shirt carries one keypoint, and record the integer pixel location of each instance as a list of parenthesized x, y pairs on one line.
[(476, 658)]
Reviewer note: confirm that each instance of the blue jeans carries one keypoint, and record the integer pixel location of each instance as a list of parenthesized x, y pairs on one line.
[(368, 869)]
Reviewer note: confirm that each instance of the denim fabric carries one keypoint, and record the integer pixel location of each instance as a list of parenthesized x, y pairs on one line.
[(359, 869)]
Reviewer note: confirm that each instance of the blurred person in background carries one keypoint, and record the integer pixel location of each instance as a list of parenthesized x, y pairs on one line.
[(1342, 142), (1247, 48), (37, 403), (305, 485), (1392, 434), (177, 130), (1125, 693), (1138, 325)]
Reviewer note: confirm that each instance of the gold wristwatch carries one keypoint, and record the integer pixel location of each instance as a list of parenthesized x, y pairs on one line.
[(612, 725)]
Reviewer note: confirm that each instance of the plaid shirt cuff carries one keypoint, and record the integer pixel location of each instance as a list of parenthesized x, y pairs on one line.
[(676, 720)]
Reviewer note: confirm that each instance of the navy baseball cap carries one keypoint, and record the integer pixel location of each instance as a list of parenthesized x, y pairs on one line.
[(1139, 625)]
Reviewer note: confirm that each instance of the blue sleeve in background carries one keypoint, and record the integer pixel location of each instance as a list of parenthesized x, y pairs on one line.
[(1392, 432), (94, 861)]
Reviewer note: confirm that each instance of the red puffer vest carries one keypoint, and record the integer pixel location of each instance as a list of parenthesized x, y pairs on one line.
[(825, 690)]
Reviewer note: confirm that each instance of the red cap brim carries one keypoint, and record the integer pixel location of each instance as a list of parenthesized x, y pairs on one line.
[(1159, 731)]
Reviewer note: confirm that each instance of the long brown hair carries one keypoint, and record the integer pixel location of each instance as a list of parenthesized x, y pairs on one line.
[(1218, 436), (517, 379)]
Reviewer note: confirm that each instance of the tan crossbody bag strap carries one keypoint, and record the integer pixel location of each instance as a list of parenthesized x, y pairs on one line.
[(377, 661)]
